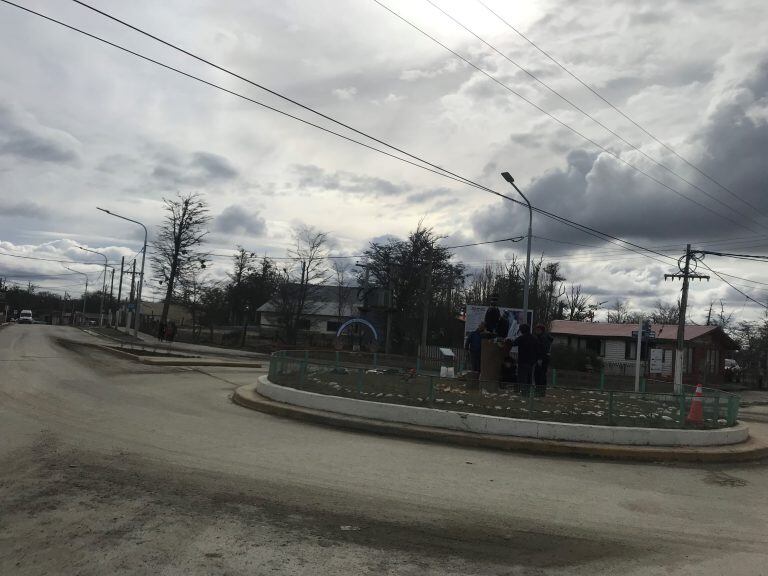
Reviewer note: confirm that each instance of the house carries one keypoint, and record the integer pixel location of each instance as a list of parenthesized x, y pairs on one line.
[(703, 360), (325, 310)]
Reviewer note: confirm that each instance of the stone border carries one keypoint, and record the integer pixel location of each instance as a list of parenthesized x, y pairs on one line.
[(500, 426)]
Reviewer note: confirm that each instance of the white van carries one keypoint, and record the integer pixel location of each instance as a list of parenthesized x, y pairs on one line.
[(25, 317)]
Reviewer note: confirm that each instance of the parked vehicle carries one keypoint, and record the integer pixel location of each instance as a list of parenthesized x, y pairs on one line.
[(25, 317)]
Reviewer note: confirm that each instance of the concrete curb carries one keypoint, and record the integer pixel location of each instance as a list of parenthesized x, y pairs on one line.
[(178, 361), (752, 449)]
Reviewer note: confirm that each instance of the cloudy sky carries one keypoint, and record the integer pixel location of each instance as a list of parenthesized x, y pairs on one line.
[(83, 124)]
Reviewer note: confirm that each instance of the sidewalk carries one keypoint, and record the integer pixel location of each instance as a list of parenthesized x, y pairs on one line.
[(201, 349)]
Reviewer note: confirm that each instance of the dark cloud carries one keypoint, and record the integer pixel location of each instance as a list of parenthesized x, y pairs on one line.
[(736, 142), (25, 209), (217, 167), (236, 220), (22, 136), (198, 169), (597, 190), (311, 176), (426, 195)]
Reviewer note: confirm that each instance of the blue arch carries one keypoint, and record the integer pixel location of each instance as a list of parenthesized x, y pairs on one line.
[(357, 321)]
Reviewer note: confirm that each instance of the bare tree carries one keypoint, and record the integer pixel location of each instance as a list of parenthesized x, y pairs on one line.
[(619, 312), (299, 283), (182, 231), (342, 278), (576, 304), (666, 312)]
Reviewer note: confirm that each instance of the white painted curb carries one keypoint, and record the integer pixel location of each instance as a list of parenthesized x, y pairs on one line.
[(483, 424)]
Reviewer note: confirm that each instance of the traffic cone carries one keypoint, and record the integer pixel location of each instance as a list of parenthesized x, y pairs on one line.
[(696, 413)]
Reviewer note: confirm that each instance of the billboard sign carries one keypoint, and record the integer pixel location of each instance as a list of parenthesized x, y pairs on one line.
[(516, 317)]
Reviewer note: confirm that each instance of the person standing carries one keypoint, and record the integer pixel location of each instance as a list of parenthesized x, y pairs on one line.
[(492, 315), (475, 345), (527, 357), (542, 365)]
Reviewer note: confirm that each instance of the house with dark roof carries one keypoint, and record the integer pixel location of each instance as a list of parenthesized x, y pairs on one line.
[(706, 348)]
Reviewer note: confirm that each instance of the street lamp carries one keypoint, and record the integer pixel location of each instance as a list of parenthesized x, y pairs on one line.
[(141, 274), (508, 177), (103, 284), (85, 294)]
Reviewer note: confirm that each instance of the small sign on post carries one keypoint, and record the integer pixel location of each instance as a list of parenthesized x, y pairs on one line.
[(447, 359)]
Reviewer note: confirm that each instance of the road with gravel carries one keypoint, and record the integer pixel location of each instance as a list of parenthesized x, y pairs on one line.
[(112, 467)]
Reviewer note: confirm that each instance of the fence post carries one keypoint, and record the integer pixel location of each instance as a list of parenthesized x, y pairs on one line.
[(306, 354), (642, 384), (431, 390), (375, 359), (418, 364), (610, 408), (602, 379), (733, 406), (716, 407), (531, 391), (554, 377), (302, 372), (359, 380), (337, 359), (681, 417)]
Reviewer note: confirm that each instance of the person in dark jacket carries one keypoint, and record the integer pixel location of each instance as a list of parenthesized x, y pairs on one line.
[(475, 345), (528, 354), (540, 371)]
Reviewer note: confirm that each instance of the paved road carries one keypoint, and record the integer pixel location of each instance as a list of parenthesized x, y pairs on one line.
[(109, 467)]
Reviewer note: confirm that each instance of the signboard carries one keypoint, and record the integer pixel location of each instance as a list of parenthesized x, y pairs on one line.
[(131, 307), (647, 334), (476, 314), (657, 361)]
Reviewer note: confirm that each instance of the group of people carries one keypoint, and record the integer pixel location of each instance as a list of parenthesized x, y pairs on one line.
[(533, 351), (166, 332)]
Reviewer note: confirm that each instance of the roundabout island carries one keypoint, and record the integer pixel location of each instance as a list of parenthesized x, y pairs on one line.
[(390, 395)]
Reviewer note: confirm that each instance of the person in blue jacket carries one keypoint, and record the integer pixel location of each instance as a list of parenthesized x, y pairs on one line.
[(475, 344)]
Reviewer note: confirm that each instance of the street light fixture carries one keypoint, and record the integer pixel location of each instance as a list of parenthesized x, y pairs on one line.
[(103, 284), (508, 177), (141, 273)]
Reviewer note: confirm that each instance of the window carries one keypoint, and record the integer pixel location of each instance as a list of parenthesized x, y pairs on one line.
[(332, 326), (713, 361), (596, 346), (630, 350)]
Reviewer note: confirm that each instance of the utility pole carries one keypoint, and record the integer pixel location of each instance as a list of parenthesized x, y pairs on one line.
[(111, 295), (133, 288), (686, 274), (427, 297), (390, 302), (120, 288)]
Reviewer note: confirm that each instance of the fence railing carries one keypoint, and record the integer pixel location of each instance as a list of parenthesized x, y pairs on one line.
[(560, 402)]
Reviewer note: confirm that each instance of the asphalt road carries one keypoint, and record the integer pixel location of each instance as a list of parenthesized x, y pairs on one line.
[(111, 467)]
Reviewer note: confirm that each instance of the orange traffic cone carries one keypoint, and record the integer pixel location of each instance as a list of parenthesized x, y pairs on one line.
[(696, 413)]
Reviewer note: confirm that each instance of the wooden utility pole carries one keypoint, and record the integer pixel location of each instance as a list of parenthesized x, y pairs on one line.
[(133, 282), (427, 297), (685, 274), (120, 287)]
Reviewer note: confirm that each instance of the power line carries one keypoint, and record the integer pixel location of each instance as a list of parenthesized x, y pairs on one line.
[(430, 167), (618, 110), (48, 259), (588, 115), (552, 116), (747, 296)]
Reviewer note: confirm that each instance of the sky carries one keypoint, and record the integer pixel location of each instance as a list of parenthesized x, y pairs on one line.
[(83, 124)]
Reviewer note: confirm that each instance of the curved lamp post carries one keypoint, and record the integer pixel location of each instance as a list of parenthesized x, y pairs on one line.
[(141, 274), (508, 177)]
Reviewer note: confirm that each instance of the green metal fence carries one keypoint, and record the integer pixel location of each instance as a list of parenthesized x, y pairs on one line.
[(562, 402)]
